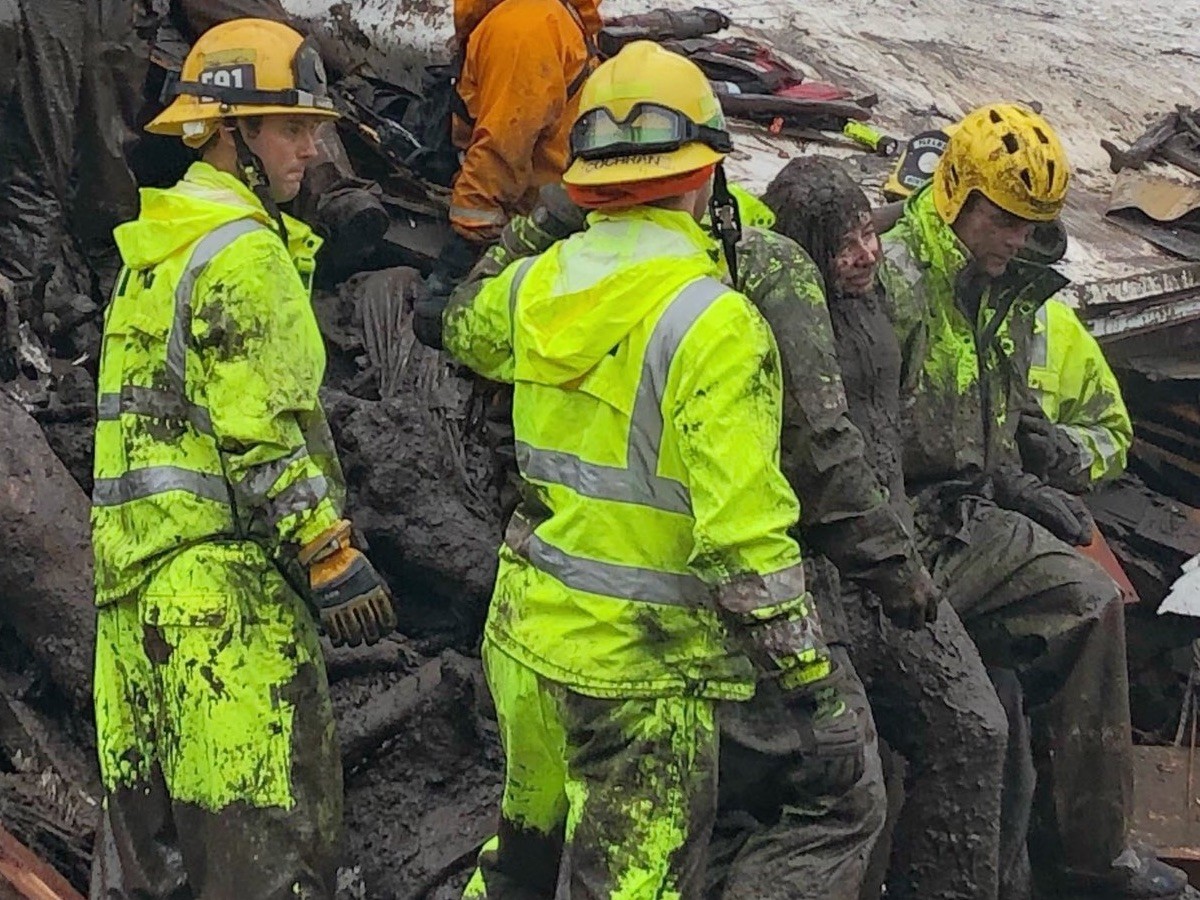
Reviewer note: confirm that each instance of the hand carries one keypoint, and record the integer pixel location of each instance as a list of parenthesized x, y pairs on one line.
[(1063, 515), (556, 213), (914, 605), (429, 303), (455, 260), (836, 738), (1044, 447), (351, 598)]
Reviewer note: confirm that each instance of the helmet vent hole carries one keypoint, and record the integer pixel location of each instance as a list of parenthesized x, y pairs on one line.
[(1027, 178), (995, 116), (954, 174), (1041, 135), (1011, 144), (1050, 170)]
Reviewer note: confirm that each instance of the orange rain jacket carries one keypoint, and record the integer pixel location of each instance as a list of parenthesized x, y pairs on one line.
[(523, 65)]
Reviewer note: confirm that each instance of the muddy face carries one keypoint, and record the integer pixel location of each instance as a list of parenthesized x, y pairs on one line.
[(820, 207), (857, 259), (993, 235)]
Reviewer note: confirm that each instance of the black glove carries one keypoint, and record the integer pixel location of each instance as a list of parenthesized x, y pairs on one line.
[(1045, 448), (556, 213), (913, 603), (834, 735), (428, 305), (457, 257), (1062, 514)]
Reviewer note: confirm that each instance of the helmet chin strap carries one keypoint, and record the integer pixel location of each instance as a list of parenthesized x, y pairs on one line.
[(726, 220), (254, 175)]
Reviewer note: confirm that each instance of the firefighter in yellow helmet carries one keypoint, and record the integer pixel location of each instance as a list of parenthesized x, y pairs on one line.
[(998, 539), (1084, 435), (217, 510), (647, 573)]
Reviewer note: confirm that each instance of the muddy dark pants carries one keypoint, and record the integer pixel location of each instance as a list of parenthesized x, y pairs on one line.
[(221, 768), (934, 704), (602, 798), (783, 829), (1036, 607)]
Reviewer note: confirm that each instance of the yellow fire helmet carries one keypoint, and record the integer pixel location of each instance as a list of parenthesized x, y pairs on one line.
[(1012, 156), (646, 113), (244, 67)]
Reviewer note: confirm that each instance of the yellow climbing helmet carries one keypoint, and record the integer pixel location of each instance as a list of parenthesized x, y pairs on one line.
[(646, 113), (1009, 154), (244, 67)]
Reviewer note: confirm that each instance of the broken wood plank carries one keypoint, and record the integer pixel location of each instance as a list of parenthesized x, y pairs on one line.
[(30, 876)]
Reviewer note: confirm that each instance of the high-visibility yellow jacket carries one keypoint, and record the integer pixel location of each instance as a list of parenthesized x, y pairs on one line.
[(1078, 391), (210, 430), (647, 417)]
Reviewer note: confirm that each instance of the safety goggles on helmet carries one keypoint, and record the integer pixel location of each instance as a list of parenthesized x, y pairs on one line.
[(648, 128), (233, 84)]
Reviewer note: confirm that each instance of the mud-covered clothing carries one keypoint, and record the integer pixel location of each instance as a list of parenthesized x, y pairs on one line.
[(929, 690), (523, 64), (220, 765), (934, 705), (1079, 393), (602, 798), (1037, 607), (964, 375), (783, 830), (1031, 603), (214, 464), (846, 515), (209, 426), (650, 555)]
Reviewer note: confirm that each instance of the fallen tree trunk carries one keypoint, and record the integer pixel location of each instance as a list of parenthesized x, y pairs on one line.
[(45, 557)]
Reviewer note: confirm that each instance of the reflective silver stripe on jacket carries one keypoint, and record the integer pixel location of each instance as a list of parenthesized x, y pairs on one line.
[(613, 579), (638, 482), (143, 401), (1039, 355), (297, 497), (254, 487), (141, 483), (171, 403), (181, 327)]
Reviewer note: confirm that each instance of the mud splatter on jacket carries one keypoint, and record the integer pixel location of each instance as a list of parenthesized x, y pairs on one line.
[(964, 379)]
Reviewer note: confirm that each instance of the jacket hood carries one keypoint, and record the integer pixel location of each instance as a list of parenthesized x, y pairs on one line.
[(469, 13), (589, 292), (205, 198)]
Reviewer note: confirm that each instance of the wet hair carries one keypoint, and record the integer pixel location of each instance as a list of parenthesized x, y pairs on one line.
[(816, 202)]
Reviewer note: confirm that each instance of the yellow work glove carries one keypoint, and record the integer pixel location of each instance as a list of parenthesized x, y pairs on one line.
[(351, 598)]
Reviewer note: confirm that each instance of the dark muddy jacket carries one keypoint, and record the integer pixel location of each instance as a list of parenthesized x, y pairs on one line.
[(844, 513), (964, 377)]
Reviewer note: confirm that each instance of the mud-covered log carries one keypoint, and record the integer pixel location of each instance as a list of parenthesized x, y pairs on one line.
[(45, 556), (421, 477)]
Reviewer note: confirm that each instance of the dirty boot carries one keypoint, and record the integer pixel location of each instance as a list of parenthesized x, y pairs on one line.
[(1136, 875)]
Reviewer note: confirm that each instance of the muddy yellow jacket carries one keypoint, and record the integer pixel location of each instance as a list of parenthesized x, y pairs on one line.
[(1078, 391), (523, 64), (964, 375), (209, 428), (647, 417)]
